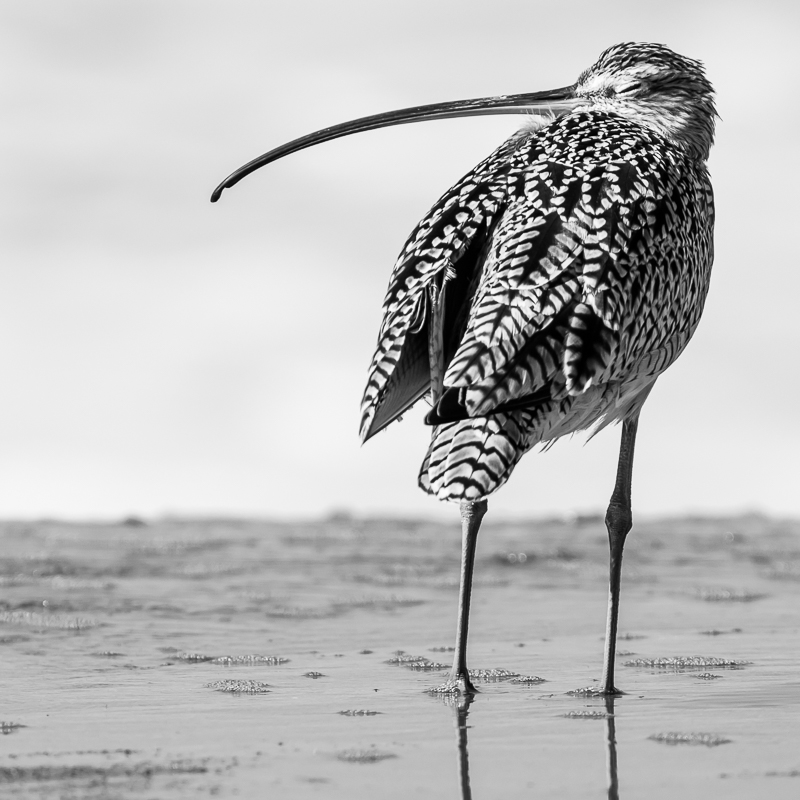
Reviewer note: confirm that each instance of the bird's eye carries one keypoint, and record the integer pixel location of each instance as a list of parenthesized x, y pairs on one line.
[(629, 88)]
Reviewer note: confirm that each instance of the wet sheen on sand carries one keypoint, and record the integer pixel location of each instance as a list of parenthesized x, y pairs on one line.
[(254, 659)]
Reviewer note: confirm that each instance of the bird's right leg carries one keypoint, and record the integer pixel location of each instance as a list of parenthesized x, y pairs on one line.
[(471, 516), (618, 523)]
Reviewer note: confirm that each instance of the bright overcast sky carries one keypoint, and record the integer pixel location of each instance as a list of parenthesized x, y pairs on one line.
[(160, 354)]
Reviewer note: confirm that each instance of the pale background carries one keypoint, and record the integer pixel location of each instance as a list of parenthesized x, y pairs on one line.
[(162, 355)]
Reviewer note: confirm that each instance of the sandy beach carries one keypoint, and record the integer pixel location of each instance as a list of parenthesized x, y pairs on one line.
[(254, 659)]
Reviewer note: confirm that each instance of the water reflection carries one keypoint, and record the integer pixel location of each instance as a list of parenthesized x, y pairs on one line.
[(461, 714), (611, 751), (461, 706)]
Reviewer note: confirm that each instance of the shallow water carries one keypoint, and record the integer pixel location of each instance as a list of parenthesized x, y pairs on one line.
[(107, 635)]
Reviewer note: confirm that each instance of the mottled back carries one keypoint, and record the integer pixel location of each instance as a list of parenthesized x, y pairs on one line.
[(560, 277)]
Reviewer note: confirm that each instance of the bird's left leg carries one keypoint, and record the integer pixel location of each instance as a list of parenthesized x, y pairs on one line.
[(471, 516), (618, 523)]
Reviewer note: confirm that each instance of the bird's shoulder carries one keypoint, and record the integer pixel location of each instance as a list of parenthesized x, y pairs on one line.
[(578, 174)]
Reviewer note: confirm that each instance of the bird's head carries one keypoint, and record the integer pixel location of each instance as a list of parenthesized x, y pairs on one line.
[(656, 87), (647, 83)]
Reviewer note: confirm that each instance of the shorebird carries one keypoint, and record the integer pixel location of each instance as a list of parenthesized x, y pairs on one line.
[(547, 290)]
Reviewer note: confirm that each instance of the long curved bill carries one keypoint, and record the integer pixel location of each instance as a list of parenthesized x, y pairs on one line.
[(555, 102)]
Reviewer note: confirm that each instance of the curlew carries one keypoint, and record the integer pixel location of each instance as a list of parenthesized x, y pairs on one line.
[(547, 290)]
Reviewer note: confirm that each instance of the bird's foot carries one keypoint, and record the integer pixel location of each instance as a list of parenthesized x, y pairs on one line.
[(457, 684)]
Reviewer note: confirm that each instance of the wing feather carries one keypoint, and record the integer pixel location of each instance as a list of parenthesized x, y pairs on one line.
[(450, 237)]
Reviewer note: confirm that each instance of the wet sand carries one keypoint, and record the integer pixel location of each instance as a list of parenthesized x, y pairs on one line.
[(252, 659)]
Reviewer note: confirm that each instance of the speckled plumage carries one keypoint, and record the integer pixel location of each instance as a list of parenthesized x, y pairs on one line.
[(559, 278)]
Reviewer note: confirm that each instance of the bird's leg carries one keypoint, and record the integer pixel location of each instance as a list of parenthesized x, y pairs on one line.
[(618, 523), (471, 516)]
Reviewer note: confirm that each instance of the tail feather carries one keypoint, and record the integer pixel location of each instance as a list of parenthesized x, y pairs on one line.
[(470, 459)]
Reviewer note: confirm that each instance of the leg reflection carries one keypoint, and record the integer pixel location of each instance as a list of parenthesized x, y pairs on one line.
[(460, 705), (461, 708), (611, 750)]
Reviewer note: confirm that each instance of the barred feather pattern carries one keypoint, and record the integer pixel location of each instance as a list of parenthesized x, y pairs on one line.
[(596, 251), (436, 243)]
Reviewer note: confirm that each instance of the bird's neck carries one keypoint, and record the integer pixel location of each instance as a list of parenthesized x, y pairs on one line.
[(689, 125)]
